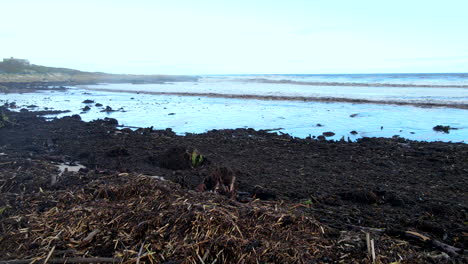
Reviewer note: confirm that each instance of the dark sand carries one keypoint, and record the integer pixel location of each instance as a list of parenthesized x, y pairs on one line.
[(384, 186)]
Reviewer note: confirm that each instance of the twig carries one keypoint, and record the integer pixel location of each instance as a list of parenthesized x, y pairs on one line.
[(139, 253), (50, 254), (368, 244), (63, 260), (90, 237)]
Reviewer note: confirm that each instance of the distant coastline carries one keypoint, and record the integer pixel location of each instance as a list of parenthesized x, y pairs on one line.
[(14, 70)]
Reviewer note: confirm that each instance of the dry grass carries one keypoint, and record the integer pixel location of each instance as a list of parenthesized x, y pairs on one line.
[(139, 219)]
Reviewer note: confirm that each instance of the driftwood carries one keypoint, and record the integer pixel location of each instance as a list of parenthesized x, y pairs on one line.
[(452, 251), (412, 235), (90, 237)]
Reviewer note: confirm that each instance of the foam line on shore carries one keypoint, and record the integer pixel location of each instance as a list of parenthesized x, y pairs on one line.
[(355, 84)]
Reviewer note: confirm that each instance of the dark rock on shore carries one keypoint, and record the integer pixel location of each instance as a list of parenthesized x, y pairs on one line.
[(112, 122), (445, 129), (24, 87), (108, 109), (328, 134)]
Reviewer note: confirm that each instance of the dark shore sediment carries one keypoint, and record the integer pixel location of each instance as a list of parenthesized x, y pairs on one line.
[(321, 196), (25, 87)]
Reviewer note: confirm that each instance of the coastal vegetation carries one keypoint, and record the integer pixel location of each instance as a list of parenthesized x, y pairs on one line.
[(18, 70)]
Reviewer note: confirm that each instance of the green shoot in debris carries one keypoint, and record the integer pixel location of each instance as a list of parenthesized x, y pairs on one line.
[(3, 120), (196, 158)]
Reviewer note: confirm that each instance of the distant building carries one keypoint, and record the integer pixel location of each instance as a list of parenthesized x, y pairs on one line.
[(16, 61)]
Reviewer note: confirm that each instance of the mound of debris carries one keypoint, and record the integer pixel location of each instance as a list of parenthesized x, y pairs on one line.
[(94, 217)]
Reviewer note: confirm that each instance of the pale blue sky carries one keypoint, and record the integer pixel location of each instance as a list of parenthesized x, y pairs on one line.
[(220, 37)]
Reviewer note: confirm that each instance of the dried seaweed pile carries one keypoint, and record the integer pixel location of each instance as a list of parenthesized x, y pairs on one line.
[(91, 217), (125, 217)]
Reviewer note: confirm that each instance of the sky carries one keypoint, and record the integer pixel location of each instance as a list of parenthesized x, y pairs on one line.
[(238, 36)]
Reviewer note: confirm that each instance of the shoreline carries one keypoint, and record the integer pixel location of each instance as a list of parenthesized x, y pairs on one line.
[(287, 98)]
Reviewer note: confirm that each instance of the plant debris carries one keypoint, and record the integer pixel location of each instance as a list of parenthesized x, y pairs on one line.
[(226, 196)]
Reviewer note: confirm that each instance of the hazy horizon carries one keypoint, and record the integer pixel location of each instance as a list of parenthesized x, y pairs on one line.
[(226, 37)]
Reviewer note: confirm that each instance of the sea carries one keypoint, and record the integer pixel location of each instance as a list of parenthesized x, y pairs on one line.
[(302, 105)]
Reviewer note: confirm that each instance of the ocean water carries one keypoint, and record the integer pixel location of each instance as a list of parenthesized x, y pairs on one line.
[(144, 105), (393, 78), (403, 88)]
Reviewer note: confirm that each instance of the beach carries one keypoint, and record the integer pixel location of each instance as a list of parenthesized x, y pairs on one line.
[(92, 163), (403, 109), (391, 188)]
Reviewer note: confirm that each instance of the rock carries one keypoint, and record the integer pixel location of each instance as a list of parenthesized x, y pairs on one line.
[(75, 117), (111, 121), (86, 108), (353, 115), (98, 105), (87, 101), (440, 128), (328, 134), (354, 132), (108, 109)]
